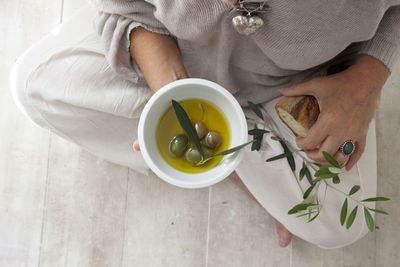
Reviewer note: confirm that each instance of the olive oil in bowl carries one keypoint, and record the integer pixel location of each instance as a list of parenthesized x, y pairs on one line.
[(197, 110)]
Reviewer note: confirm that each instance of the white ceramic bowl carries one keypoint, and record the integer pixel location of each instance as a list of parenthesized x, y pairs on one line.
[(187, 89)]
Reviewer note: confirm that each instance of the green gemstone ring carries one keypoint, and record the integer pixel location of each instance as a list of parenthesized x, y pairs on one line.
[(348, 148)]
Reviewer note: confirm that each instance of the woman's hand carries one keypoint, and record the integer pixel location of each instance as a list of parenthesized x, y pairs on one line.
[(347, 102)]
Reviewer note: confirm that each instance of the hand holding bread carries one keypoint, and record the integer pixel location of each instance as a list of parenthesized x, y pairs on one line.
[(327, 111)]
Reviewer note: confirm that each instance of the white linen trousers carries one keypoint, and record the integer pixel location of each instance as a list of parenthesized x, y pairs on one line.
[(64, 83)]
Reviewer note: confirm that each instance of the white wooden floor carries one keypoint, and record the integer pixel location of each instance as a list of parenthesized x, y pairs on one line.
[(60, 206)]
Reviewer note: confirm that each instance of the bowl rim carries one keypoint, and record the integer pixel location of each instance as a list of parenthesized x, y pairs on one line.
[(230, 167)]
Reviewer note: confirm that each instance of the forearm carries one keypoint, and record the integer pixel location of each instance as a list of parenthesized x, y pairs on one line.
[(372, 66), (371, 74), (157, 56)]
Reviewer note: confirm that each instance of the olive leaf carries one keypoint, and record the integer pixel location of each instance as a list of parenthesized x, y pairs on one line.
[(343, 212), (307, 213), (280, 156), (275, 138), (329, 158), (308, 191), (336, 179), (302, 171), (256, 110), (256, 144), (258, 135), (375, 199), (187, 126), (354, 189), (351, 218), (379, 211), (313, 218), (308, 174), (289, 158), (257, 132), (226, 152), (368, 220), (300, 207), (335, 170), (323, 172)]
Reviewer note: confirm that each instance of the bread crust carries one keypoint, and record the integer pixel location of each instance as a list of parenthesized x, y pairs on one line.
[(299, 113)]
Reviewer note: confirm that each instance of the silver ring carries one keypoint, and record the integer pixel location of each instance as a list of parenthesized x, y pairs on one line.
[(348, 147)]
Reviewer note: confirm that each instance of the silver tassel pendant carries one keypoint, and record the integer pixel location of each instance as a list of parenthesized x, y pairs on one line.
[(246, 23)]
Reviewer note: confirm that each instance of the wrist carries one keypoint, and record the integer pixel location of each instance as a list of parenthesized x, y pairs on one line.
[(372, 69), (369, 74), (170, 75)]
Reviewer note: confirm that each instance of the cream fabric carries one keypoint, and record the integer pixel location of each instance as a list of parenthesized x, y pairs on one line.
[(65, 84)]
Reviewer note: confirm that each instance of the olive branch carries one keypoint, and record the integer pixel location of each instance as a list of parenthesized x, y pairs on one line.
[(311, 205)]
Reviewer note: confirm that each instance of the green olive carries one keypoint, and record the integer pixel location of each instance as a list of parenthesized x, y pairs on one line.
[(212, 139), (178, 145), (200, 129), (193, 155)]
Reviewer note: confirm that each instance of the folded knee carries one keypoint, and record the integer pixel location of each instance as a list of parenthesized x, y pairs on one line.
[(24, 90)]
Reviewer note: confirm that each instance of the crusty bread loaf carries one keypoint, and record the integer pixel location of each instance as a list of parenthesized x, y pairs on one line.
[(299, 113)]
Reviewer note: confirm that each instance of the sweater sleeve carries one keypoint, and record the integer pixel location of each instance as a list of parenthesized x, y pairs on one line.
[(114, 23), (385, 45)]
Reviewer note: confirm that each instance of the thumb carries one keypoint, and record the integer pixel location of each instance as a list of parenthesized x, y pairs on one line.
[(303, 88)]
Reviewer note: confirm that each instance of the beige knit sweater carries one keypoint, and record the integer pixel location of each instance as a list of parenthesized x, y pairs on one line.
[(298, 37)]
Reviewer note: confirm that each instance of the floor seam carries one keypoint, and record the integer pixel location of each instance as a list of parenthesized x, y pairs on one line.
[(208, 224), (125, 212), (44, 213)]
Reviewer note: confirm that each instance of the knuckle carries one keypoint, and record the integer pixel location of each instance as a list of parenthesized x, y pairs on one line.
[(331, 151), (300, 143), (316, 156), (306, 144)]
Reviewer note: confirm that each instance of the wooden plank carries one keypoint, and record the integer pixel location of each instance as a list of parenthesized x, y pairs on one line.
[(388, 121), (361, 253), (333, 257), (23, 146), (306, 254), (165, 225), (241, 232), (85, 209)]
